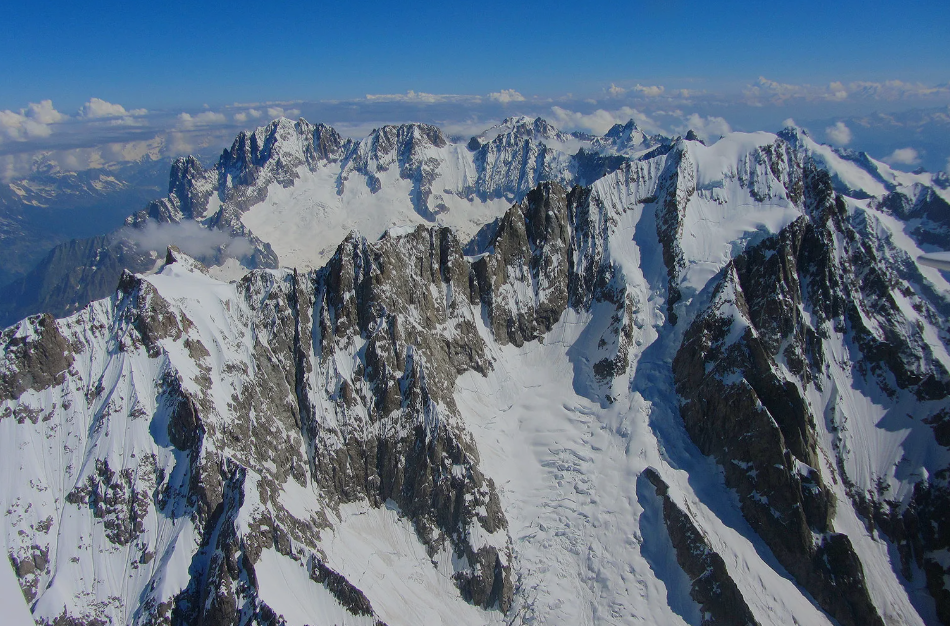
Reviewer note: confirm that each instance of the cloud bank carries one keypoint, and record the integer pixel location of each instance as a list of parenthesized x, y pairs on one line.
[(506, 95), (190, 237), (103, 132), (675, 122), (903, 156), (774, 92), (839, 134), (34, 121), (98, 108)]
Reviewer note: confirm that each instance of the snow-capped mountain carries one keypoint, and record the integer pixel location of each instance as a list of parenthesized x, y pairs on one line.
[(49, 206), (289, 192), (709, 386), (295, 173)]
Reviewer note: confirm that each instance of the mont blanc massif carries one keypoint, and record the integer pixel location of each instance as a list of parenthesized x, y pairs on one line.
[(526, 377)]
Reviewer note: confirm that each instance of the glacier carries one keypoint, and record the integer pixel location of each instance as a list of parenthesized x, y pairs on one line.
[(479, 385)]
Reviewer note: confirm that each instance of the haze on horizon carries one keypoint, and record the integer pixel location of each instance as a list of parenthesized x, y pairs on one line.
[(86, 85)]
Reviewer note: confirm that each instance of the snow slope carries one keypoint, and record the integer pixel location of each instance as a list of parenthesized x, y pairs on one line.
[(411, 435)]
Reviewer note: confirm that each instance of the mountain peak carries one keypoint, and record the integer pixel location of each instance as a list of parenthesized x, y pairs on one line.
[(251, 444), (174, 256), (618, 131), (396, 134), (519, 128)]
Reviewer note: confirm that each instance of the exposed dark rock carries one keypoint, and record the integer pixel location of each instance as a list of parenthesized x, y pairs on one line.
[(382, 295), (739, 408), (113, 497), (531, 245), (38, 357), (221, 577), (343, 590), (692, 136), (678, 184), (592, 166), (712, 587)]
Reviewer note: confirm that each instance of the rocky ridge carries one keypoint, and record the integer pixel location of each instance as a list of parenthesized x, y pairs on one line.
[(217, 436), (414, 163)]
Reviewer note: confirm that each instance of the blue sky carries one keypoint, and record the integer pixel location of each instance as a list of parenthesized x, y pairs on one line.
[(169, 54), (171, 77)]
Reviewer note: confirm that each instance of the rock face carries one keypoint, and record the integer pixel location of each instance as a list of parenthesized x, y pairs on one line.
[(72, 275), (387, 432), (431, 430), (418, 166), (355, 367), (746, 364), (712, 588), (677, 188)]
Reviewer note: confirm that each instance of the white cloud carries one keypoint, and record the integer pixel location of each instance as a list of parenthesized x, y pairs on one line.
[(947, 169), (127, 120), (96, 108), (20, 128), (837, 91), (468, 128), (206, 118), (892, 90), (78, 159), (773, 90), (505, 96), (275, 112), (244, 116), (615, 91), (190, 237), (420, 97), (839, 134), (686, 93), (32, 122), (675, 122), (650, 91), (600, 121), (706, 128), (44, 113), (788, 122), (179, 144), (903, 156)]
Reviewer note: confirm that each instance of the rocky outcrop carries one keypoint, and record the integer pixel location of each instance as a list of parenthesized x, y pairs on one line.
[(744, 362), (677, 185), (740, 409), (388, 431), (530, 247), (712, 588), (37, 357)]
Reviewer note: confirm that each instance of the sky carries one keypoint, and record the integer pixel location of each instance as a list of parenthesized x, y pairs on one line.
[(186, 76)]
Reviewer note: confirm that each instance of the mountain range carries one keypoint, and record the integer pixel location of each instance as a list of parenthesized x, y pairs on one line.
[(50, 206), (528, 377)]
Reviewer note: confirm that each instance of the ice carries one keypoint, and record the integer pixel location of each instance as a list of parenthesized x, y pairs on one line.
[(566, 450)]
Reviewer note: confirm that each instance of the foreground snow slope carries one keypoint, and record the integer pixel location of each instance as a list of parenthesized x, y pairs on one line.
[(710, 387)]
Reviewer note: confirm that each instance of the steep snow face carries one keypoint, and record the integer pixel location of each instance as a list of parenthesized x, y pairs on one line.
[(703, 386), (302, 201), (572, 446)]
